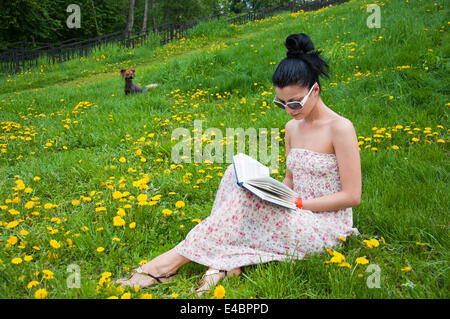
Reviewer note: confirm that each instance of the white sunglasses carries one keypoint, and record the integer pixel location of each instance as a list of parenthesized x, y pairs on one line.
[(294, 105)]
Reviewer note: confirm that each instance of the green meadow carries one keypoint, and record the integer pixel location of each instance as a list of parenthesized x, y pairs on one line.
[(88, 186)]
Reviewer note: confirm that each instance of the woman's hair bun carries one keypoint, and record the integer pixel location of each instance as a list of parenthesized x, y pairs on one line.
[(298, 44)]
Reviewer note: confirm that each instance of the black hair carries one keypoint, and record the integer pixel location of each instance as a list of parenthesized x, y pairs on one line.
[(300, 67)]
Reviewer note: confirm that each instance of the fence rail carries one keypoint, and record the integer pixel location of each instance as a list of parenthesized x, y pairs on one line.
[(18, 56)]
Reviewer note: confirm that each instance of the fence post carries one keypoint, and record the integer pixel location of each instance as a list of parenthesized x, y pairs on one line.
[(22, 52)]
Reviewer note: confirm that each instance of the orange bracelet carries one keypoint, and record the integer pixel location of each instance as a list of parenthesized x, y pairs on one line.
[(299, 203)]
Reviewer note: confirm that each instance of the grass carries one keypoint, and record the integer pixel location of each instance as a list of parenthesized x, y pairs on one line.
[(71, 126)]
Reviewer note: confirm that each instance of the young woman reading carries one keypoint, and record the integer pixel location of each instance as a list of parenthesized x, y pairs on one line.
[(322, 167)]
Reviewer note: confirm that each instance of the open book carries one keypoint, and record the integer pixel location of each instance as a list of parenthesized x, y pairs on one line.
[(255, 177)]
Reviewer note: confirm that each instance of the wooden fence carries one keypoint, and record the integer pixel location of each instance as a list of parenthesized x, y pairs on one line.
[(20, 56)]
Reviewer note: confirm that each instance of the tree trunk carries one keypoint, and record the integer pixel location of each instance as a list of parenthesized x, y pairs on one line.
[(95, 18), (152, 14), (129, 27), (144, 21)]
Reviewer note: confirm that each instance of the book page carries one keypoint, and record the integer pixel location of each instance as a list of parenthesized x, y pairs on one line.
[(249, 168), (272, 183), (273, 188), (268, 197)]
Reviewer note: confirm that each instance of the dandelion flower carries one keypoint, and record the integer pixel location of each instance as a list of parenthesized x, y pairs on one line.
[(40, 294), (362, 260), (126, 295), (55, 244), (179, 204), (12, 224), (118, 221), (48, 274), (219, 292), (142, 197), (166, 212)]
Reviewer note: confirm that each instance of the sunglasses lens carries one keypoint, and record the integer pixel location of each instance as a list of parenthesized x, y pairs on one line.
[(295, 106), (279, 104)]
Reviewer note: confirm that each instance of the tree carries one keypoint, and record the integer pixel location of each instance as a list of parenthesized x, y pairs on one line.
[(129, 27), (144, 20)]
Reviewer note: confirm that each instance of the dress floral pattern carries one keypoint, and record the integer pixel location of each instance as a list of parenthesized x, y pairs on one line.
[(242, 229)]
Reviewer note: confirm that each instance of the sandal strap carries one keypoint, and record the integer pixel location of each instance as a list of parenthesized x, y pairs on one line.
[(214, 271), (209, 272), (140, 271)]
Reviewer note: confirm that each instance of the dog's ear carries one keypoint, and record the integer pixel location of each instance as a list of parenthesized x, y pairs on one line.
[(122, 72), (133, 70)]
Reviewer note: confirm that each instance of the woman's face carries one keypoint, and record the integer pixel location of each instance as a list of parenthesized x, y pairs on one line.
[(297, 93)]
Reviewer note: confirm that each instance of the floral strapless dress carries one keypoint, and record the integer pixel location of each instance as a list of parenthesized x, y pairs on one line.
[(242, 229)]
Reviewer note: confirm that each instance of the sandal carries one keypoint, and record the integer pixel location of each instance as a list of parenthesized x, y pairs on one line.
[(140, 271), (202, 281)]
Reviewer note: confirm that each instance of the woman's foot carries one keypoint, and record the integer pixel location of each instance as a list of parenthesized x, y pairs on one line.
[(211, 278), (144, 279)]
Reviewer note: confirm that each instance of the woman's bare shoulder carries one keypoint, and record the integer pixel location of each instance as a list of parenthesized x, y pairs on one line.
[(338, 123), (291, 124), (342, 129)]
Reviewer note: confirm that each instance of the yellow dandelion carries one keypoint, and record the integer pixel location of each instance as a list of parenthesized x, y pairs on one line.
[(337, 257), (75, 202), (362, 260), (23, 232), (126, 295), (142, 197), (55, 244), (179, 204), (40, 293), (166, 212), (117, 195), (12, 224), (219, 292), (32, 284), (29, 205), (118, 221)]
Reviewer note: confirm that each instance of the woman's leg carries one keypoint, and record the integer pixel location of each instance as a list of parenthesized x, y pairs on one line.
[(162, 265)]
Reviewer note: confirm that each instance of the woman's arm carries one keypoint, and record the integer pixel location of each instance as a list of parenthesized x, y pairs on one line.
[(345, 144)]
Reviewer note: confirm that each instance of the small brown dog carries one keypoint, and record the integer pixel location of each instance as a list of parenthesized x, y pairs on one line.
[(130, 87)]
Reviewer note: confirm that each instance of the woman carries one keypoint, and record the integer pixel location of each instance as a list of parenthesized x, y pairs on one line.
[(322, 166)]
